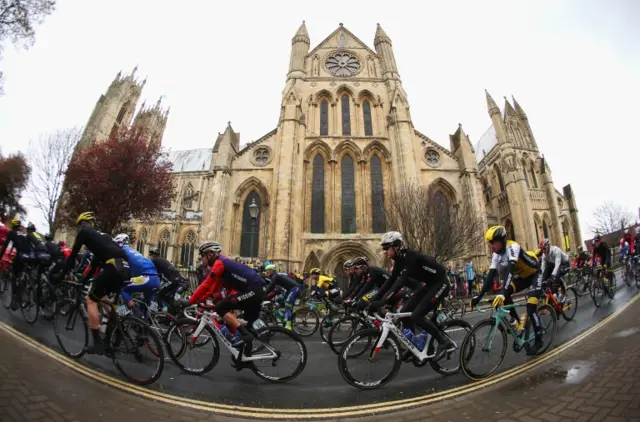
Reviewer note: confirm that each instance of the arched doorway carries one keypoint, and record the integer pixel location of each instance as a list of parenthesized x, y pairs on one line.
[(335, 258), (250, 238)]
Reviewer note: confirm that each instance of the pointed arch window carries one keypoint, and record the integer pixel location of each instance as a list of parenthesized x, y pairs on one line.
[(378, 223), (250, 238), (348, 195), (142, 239), (366, 114), (511, 233), (324, 118), (441, 210), (346, 116), (500, 180), (187, 197), (188, 249), (545, 230), (533, 177), (317, 195), (163, 244), (524, 173), (121, 113)]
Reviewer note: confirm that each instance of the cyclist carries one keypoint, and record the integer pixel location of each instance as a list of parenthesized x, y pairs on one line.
[(325, 285), (290, 285), (408, 267), (583, 257), (226, 273), (144, 276), (602, 253), (115, 270), (354, 280), (522, 271), (555, 264), (53, 248), (19, 241), (177, 283), (373, 279)]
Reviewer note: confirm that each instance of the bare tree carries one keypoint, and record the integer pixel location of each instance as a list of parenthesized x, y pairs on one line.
[(49, 157), (430, 224), (610, 217)]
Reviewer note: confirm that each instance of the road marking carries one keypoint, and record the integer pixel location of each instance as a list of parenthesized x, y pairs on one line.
[(316, 413)]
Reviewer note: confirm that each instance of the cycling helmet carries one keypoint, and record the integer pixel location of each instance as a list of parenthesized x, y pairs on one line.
[(48, 237), (270, 267), (211, 246), (347, 264), (391, 239), (31, 227), (580, 248), (315, 271), (545, 243), (86, 216), (498, 233), (15, 222), (154, 251), (121, 239), (360, 261), (597, 237)]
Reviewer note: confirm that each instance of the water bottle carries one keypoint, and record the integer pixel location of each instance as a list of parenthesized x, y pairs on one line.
[(408, 334), (227, 334), (103, 324), (441, 318), (420, 340), (279, 314)]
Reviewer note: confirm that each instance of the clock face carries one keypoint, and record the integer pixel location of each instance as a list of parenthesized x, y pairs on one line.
[(342, 64)]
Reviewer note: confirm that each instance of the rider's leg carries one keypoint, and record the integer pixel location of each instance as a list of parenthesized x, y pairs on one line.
[(430, 301), (246, 301), (288, 305), (108, 281), (510, 289), (533, 295)]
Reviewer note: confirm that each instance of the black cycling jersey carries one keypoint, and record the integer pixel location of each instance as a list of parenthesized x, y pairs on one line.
[(36, 242), (100, 244), (167, 269), (603, 252), (283, 281), (372, 278), (355, 281), (20, 242), (412, 265), (54, 250)]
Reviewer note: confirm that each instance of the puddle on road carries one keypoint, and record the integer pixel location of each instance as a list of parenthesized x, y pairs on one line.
[(565, 373), (627, 333)]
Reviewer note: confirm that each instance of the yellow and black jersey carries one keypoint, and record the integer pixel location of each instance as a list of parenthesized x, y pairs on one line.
[(526, 263)]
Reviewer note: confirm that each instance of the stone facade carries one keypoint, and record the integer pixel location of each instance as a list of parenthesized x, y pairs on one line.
[(344, 139)]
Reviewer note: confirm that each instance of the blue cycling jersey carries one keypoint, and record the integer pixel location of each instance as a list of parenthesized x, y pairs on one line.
[(239, 276), (138, 264)]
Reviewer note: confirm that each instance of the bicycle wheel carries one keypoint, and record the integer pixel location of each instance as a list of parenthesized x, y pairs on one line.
[(570, 305), (628, 275), (280, 339), (613, 286), (456, 330), (476, 345), (135, 339), (305, 321), (68, 317), (194, 350), (7, 293), (597, 292), (638, 277), (548, 322), (327, 322), (389, 352), (342, 330), (29, 301), (47, 298)]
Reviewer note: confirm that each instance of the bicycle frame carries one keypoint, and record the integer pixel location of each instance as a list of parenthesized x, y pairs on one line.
[(551, 300), (210, 319), (500, 317)]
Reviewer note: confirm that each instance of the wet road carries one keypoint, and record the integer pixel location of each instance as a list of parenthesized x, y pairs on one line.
[(320, 385)]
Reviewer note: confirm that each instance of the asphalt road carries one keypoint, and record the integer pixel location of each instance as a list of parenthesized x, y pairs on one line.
[(320, 385)]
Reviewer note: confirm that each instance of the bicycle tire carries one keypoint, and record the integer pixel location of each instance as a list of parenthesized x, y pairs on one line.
[(315, 321), (638, 278), (470, 346), (301, 346), (344, 355), (436, 365), (554, 318), (7, 293), (152, 337), (186, 322), (627, 276), (597, 292), (324, 328), (565, 315), (355, 323), (29, 287), (47, 298), (75, 314)]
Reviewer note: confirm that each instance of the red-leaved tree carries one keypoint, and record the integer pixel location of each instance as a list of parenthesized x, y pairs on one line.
[(119, 179)]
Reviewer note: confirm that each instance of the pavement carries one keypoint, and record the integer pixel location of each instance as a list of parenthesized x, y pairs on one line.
[(598, 379)]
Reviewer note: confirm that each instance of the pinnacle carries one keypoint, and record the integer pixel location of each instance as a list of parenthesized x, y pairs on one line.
[(519, 109), (380, 33), (302, 31), (508, 110), (491, 105)]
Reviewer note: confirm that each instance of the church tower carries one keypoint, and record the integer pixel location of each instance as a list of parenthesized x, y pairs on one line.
[(114, 109), (153, 121)]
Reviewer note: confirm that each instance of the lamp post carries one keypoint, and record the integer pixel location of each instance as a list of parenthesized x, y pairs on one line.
[(254, 210)]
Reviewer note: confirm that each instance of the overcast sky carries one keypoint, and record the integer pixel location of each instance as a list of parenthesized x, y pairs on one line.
[(574, 66)]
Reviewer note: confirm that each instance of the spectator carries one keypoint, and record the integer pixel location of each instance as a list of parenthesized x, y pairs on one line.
[(471, 275)]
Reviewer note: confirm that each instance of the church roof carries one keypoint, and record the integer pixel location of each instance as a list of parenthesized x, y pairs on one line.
[(487, 141), (191, 160)]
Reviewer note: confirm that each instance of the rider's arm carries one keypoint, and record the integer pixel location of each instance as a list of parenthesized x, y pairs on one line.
[(511, 265), (384, 288), (353, 288), (210, 285), (401, 277), (11, 237), (491, 275), (557, 263), (77, 244)]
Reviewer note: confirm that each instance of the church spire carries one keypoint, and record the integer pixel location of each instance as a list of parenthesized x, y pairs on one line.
[(299, 50), (508, 110), (492, 107), (519, 109), (384, 49), (302, 31), (381, 35)]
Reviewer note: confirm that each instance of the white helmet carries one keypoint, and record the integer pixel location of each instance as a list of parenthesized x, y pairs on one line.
[(211, 246), (121, 239), (391, 239)]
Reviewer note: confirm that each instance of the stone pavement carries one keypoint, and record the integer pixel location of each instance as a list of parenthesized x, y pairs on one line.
[(596, 380)]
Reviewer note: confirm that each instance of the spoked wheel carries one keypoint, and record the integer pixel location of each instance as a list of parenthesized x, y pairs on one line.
[(548, 323), (194, 355), (613, 285), (47, 298), (359, 370), (485, 339), (342, 330), (628, 276), (456, 330), (597, 292), (638, 277), (327, 322), (570, 304), (29, 301), (70, 328), (7, 289), (306, 321), (456, 309), (162, 321), (132, 342), (290, 350)]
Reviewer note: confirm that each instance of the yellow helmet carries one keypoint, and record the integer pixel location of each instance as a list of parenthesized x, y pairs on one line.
[(86, 216), (498, 233), (15, 222), (538, 252), (314, 271)]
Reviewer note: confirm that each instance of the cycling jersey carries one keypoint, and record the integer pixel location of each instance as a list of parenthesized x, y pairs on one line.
[(555, 257), (283, 281), (525, 263), (36, 242), (54, 250), (227, 273), (412, 265), (354, 285), (583, 258), (101, 245), (167, 269), (138, 264), (19, 241), (601, 251), (372, 278), (325, 282)]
